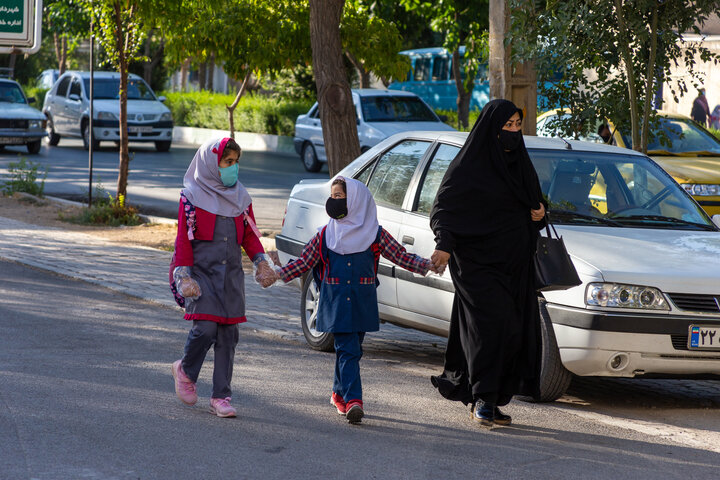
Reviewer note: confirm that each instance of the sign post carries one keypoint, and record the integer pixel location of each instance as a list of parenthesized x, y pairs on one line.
[(20, 26)]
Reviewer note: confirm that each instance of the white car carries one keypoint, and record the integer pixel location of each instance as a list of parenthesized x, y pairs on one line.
[(67, 108), (380, 113), (20, 124), (646, 252)]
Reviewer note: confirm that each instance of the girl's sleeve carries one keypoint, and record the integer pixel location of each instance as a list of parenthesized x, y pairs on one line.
[(396, 253), (183, 248), (251, 243), (309, 258)]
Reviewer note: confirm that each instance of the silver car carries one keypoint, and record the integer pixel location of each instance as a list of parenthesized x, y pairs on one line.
[(20, 124), (67, 108), (646, 252), (380, 113)]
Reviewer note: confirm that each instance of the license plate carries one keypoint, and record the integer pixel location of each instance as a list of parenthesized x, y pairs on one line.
[(704, 338), (140, 129), (12, 141)]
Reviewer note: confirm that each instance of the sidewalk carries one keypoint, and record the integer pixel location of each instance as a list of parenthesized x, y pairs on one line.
[(142, 272)]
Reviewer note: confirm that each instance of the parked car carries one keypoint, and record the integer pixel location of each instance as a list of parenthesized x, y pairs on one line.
[(67, 109), (20, 124), (47, 78), (646, 252), (679, 145), (380, 113)]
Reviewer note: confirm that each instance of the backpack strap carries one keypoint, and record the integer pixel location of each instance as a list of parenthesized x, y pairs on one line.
[(376, 250), (189, 209), (320, 270)]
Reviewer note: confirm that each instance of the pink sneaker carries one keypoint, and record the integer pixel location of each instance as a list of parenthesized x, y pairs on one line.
[(222, 408), (338, 402), (184, 387)]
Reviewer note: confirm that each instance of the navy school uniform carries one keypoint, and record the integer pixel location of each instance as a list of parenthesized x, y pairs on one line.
[(348, 298)]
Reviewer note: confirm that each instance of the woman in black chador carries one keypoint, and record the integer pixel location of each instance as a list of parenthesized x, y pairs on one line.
[(486, 217)]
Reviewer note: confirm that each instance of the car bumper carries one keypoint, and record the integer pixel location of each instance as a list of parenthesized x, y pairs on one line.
[(298, 143), (134, 134), (20, 138), (597, 343)]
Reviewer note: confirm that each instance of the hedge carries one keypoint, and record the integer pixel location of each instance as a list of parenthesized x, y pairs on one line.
[(254, 113)]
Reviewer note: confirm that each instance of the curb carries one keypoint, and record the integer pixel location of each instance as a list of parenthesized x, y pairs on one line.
[(252, 142)]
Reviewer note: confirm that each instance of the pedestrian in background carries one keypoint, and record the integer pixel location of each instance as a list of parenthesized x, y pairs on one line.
[(486, 217), (344, 257), (700, 109), (215, 220)]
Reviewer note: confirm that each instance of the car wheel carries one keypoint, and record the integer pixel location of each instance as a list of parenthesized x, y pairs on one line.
[(322, 341), (34, 147), (309, 158), (554, 377), (52, 137), (86, 137), (162, 146)]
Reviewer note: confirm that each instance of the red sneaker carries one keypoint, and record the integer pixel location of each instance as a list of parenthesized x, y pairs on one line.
[(354, 411), (338, 402)]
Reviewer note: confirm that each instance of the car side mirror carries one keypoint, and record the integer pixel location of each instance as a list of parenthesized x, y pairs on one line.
[(716, 220), (74, 97), (162, 98), (443, 118), (32, 100)]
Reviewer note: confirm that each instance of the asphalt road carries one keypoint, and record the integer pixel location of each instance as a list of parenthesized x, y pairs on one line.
[(155, 178), (86, 392)]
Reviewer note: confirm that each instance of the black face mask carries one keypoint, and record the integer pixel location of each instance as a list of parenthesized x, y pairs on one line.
[(336, 207), (510, 140)]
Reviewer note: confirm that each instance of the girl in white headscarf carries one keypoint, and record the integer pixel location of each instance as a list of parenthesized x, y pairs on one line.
[(344, 255), (215, 221)]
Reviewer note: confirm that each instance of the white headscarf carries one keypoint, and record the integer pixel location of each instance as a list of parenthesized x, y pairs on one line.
[(204, 188), (357, 230)]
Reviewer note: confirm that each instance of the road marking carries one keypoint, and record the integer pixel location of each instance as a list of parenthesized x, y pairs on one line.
[(689, 437)]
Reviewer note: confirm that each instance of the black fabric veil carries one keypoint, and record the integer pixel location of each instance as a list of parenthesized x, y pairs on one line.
[(485, 186)]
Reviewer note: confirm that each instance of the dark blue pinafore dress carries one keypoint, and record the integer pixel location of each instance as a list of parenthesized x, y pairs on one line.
[(348, 308)]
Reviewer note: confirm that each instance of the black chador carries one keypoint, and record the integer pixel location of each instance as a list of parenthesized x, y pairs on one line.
[(481, 216)]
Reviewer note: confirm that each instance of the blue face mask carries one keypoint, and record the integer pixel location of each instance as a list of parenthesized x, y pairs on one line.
[(229, 175)]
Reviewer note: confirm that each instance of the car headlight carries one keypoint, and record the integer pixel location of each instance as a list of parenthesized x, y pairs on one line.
[(34, 124), (166, 117), (701, 190), (617, 295), (106, 116)]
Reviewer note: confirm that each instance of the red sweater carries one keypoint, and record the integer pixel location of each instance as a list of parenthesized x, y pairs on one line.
[(204, 230)]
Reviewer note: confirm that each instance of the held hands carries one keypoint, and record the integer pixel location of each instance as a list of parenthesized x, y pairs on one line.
[(265, 275), (439, 261), (538, 214)]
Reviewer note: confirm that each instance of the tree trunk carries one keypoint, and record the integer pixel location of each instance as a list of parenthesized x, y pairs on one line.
[(231, 108), (337, 112), (211, 73), (364, 74), (463, 96), (649, 79), (630, 72), (184, 75), (202, 75), (122, 40)]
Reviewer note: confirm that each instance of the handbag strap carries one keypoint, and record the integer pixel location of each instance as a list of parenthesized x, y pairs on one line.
[(549, 225)]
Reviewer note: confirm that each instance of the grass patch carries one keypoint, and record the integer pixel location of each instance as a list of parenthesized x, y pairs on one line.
[(23, 177)]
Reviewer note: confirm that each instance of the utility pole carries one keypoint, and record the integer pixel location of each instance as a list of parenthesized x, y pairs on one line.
[(515, 82)]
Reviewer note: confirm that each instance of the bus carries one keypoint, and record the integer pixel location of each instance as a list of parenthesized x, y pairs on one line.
[(431, 78)]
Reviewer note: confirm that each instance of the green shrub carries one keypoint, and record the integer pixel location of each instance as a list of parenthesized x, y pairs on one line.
[(107, 211), (254, 113), (23, 177), (715, 132), (452, 118), (38, 93)]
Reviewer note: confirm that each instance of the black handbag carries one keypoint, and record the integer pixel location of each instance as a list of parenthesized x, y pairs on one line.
[(554, 269)]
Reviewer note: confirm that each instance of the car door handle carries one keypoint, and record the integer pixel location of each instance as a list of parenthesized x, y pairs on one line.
[(406, 240)]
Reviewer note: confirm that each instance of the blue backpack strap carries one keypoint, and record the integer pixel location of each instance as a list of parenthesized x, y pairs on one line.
[(375, 247), (320, 268)]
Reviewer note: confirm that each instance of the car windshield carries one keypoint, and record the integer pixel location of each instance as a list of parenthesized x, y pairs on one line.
[(395, 109), (584, 188), (682, 136), (109, 88), (11, 93)]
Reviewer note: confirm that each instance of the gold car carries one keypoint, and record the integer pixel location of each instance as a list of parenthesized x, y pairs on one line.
[(691, 156)]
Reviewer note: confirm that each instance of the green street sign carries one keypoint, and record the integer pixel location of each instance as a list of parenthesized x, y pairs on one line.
[(20, 25)]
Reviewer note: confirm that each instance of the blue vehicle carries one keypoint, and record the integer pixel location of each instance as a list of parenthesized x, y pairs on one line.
[(432, 79)]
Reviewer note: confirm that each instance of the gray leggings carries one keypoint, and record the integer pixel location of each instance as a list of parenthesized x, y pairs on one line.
[(202, 335)]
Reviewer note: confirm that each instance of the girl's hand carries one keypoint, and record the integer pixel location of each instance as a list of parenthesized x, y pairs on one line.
[(265, 274), (189, 288), (439, 260), (538, 214)]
